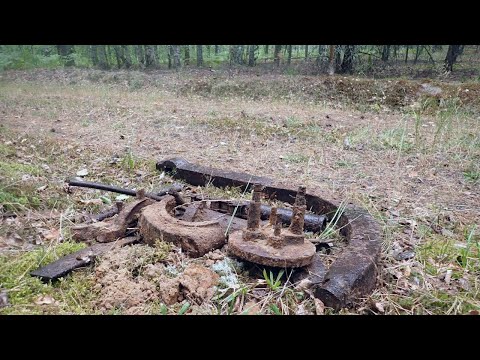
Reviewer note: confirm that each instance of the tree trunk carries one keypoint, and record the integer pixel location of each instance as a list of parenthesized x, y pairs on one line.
[(94, 55), (331, 60), (338, 59), (276, 55), (199, 55), (406, 55), (140, 53), (66, 52), (150, 58), (265, 50), (289, 58), (102, 57), (385, 52), (251, 55), (217, 49), (236, 54), (116, 49), (176, 56), (395, 47), (417, 54), (347, 64), (306, 52), (186, 60), (127, 59), (169, 55), (452, 53)]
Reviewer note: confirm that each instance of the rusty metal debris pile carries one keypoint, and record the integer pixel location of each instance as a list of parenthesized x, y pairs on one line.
[(252, 231), (271, 245)]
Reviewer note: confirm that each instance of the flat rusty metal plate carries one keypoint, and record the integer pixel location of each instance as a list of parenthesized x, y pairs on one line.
[(78, 259), (260, 252)]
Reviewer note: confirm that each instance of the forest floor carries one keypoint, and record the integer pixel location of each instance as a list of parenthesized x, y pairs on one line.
[(406, 150)]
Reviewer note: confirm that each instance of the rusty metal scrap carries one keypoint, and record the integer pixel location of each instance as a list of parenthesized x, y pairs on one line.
[(271, 245), (94, 185), (353, 273), (113, 228), (78, 259), (195, 238)]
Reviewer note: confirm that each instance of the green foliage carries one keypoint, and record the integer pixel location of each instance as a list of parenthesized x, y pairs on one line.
[(28, 57), (22, 288), (471, 251), (184, 308), (472, 174), (16, 194), (128, 161), (274, 285), (274, 309)]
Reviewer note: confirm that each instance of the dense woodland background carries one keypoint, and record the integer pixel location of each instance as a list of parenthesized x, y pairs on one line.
[(305, 59)]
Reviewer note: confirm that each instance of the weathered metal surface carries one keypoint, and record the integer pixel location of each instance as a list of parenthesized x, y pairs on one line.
[(315, 272), (269, 245), (353, 273), (201, 175), (201, 212), (195, 238), (78, 259), (113, 228), (155, 196), (313, 222)]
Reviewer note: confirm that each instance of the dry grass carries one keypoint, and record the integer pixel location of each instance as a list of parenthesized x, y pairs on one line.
[(415, 168)]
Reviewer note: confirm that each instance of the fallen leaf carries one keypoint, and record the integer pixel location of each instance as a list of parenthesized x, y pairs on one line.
[(448, 276), (304, 284), (41, 188), (45, 300), (83, 172), (380, 307), (473, 312), (105, 200), (92, 202), (121, 197), (301, 310), (447, 233), (319, 306), (251, 308), (3, 299), (52, 234)]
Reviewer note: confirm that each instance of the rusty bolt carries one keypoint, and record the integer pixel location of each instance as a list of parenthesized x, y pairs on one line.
[(273, 216), (300, 198), (298, 216), (277, 228), (119, 205), (253, 218)]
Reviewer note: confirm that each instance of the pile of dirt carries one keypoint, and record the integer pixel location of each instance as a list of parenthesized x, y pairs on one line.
[(131, 279)]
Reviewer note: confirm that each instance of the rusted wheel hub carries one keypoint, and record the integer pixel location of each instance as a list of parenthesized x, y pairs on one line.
[(270, 246)]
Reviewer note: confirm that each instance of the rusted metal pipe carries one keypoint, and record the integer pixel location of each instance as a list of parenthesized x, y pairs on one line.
[(93, 185)]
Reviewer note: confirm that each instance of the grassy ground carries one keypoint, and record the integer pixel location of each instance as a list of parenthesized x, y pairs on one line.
[(412, 159)]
